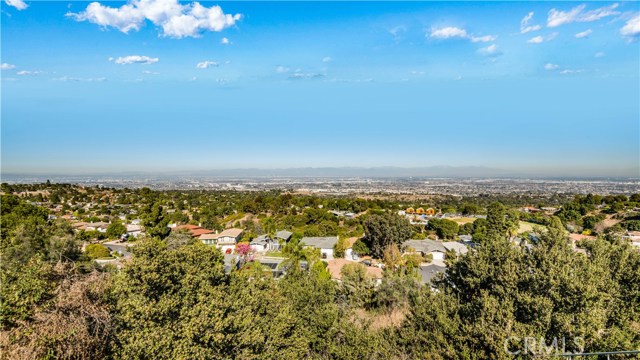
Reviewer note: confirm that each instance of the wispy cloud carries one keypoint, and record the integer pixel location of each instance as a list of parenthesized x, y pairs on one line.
[(631, 28), (134, 59), (577, 14), (536, 40), (397, 31), (490, 51), (175, 19), (78, 79), (540, 39), (524, 24), (327, 59), (18, 4), (7, 66), (225, 41), (282, 69), (560, 70), (583, 34), (571, 71), (299, 74), (28, 72), (148, 72), (599, 54), (207, 64), (451, 32)]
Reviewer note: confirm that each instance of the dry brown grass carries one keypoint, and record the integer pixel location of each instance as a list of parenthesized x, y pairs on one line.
[(378, 321), (76, 325)]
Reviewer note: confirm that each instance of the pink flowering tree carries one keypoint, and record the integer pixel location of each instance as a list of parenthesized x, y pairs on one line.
[(244, 250)]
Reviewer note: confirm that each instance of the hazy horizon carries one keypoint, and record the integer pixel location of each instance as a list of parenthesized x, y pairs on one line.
[(548, 88), (347, 171)]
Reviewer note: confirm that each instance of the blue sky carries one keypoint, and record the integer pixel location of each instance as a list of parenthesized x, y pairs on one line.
[(545, 88)]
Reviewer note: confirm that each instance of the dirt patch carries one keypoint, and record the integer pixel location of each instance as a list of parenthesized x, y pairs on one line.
[(379, 321)]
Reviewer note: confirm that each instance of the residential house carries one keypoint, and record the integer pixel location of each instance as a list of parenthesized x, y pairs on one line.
[(429, 272), (455, 246), (101, 226), (264, 243), (634, 237), (134, 230), (226, 240), (194, 230), (325, 244), (283, 236), (425, 247)]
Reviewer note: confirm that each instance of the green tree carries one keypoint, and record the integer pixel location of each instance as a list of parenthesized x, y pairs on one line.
[(339, 248), (116, 229), (356, 285), (382, 231), (360, 247), (445, 228), (96, 251)]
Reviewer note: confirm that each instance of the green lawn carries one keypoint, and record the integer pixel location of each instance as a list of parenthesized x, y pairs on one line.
[(275, 254), (527, 227)]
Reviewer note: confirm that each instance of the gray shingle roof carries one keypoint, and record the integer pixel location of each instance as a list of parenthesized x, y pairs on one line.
[(326, 242), (458, 247), (429, 272), (425, 246), (283, 234)]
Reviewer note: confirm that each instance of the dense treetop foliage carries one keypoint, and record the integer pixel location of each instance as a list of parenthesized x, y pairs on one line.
[(173, 299)]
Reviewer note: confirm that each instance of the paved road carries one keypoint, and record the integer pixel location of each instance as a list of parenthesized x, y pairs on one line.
[(119, 247)]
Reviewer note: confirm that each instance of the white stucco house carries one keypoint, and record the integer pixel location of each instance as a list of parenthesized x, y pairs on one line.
[(225, 241), (325, 244)]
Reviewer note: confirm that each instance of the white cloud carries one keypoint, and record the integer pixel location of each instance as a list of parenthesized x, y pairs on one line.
[(554, 67), (175, 19), (6, 66), (451, 32), (304, 75), (134, 59), (485, 38), (583, 34), (147, 72), (569, 71), (18, 4), (524, 24), (28, 73), (632, 28), (599, 54), (448, 33), (76, 79), (550, 66), (396, 31), (327, 59), (540, 39), (536, 40), (282, 69), (491, 51), (577, 14), (206, 64), (225, 41)]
